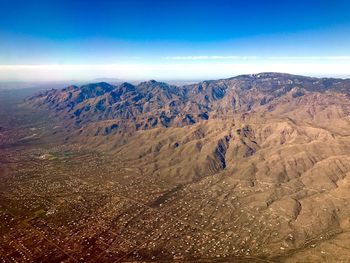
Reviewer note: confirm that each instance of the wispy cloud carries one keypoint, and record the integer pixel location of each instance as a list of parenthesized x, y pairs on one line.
[(179, 70), (210, 57), (256, 58), (311, 58)]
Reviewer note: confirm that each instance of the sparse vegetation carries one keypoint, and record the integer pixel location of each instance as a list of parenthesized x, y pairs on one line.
[(268, 182)]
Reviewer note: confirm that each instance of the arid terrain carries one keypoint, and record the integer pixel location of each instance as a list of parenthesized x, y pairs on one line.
[(255, 168)]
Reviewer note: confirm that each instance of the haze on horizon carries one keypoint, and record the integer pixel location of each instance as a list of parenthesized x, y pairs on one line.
[(81, 40)]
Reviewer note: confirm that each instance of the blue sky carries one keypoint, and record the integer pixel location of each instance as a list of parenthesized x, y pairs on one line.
[(143, 39)]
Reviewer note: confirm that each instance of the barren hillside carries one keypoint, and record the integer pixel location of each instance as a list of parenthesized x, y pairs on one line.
[(252, 167)]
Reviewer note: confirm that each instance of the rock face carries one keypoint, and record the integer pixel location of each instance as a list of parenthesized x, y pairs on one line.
[(271, 145)]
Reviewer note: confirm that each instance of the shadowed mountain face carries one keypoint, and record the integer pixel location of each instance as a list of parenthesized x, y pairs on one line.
[(270, 149)]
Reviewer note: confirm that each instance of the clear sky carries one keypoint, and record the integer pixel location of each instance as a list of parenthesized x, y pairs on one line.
[(175, 39)]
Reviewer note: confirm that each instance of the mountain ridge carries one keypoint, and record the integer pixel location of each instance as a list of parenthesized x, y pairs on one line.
[(151, 104)]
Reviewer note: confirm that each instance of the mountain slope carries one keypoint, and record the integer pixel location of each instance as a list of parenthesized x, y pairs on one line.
[(155, 104)]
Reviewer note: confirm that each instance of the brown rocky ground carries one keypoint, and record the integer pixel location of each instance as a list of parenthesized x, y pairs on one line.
[(262, 176)]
